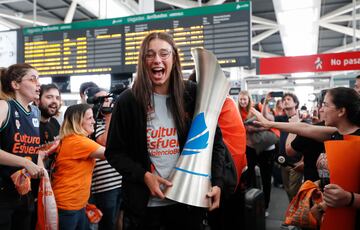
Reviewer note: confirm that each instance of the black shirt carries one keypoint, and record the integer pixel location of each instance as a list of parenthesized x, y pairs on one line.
[(19, 136), (311, 150), (49, 130), (282, 142)]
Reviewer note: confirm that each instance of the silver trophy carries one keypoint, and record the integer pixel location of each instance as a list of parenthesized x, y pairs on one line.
[(192, 173)]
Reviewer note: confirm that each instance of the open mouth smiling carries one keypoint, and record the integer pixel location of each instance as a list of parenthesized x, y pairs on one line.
[(158, 70)]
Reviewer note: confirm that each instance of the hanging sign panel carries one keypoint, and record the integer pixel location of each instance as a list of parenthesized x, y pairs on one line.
[(112, 45), (310, 63)]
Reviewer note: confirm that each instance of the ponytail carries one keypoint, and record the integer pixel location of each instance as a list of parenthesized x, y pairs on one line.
[(3, 96)]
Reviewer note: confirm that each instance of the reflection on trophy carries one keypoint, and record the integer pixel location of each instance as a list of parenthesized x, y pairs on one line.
[(192, 173)]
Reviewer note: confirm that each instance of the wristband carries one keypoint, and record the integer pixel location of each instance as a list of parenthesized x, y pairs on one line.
[(351, 200)]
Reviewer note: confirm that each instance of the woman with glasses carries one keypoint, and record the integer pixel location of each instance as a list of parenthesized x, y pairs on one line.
[(19, 142), (341, 114), (148, 130)]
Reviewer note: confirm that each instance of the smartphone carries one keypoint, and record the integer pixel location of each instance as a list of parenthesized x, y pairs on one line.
[(277, 94)]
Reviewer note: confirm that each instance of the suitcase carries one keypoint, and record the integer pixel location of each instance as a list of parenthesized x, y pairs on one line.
[(254, 209)]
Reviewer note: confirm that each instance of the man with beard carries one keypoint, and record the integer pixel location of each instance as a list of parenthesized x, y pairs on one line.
[(49, 105)]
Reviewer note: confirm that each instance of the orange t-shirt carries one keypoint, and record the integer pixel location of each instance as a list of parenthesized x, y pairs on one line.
[(234, 133), (244, 114), (73, 172)]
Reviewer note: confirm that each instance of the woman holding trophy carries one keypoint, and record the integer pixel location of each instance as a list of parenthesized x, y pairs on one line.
[(148, 130)]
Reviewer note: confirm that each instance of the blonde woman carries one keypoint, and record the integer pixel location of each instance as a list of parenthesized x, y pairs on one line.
[(244, 104), (74, 165), (262, 158)]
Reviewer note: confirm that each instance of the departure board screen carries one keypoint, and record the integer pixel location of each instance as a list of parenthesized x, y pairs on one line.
[(112, 45)]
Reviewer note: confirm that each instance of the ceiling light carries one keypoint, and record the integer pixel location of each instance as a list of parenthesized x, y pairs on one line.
[(298, 25)]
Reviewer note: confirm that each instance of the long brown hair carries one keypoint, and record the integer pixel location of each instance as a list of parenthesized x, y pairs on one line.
[(143, 88), (14, 73)]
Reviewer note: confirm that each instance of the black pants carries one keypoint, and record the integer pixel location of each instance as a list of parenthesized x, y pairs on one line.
[(231, 214), (15, 210), (265, 161), (171, 217)]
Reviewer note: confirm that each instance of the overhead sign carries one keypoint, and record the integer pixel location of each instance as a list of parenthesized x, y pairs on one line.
[(112, 45), (310, 63)]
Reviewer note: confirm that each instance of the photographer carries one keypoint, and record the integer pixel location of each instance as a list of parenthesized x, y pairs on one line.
[(106, 181)]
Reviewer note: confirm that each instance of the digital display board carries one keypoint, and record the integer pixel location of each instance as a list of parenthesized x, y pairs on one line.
[(112, 45)]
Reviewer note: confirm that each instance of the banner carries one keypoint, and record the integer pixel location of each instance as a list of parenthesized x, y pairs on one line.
[(344, 166), (310, 63)]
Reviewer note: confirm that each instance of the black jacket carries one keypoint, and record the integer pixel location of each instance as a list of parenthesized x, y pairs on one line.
[(126, 148)]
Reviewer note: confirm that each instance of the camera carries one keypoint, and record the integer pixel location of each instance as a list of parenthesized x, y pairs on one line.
[(99, 109)]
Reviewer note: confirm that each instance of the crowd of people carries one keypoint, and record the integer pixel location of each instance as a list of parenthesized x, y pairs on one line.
[(108, 154)]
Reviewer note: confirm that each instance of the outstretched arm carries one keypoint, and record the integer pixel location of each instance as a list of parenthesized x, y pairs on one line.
[(319, 133)]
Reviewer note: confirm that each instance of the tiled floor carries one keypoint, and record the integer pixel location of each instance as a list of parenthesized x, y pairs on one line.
[(277, 208)]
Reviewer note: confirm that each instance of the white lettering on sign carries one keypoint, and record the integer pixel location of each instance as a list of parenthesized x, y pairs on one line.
[(352, 61), (335, 61)]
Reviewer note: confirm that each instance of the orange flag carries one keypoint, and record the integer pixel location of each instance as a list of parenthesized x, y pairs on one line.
[(344, 166)]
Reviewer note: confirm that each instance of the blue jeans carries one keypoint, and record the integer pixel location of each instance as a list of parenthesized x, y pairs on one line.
[(73, 220), (109, 203)]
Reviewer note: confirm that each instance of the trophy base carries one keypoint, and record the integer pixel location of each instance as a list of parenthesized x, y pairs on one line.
[(189, 188)]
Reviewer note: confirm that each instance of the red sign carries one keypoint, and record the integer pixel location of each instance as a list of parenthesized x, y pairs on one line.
[(310, 63)]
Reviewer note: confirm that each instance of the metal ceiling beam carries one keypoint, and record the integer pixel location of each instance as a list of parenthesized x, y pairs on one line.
[(263, 21), (78, 10), (23, 19), (8, 24), (263, 35), (259, 54), (131, 5), (344, 48), (261, 27), (42, 8), (342, 10), (341, 29), (28, 18), (71, 12), (146, 6), (10, 1), (343, 18)]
